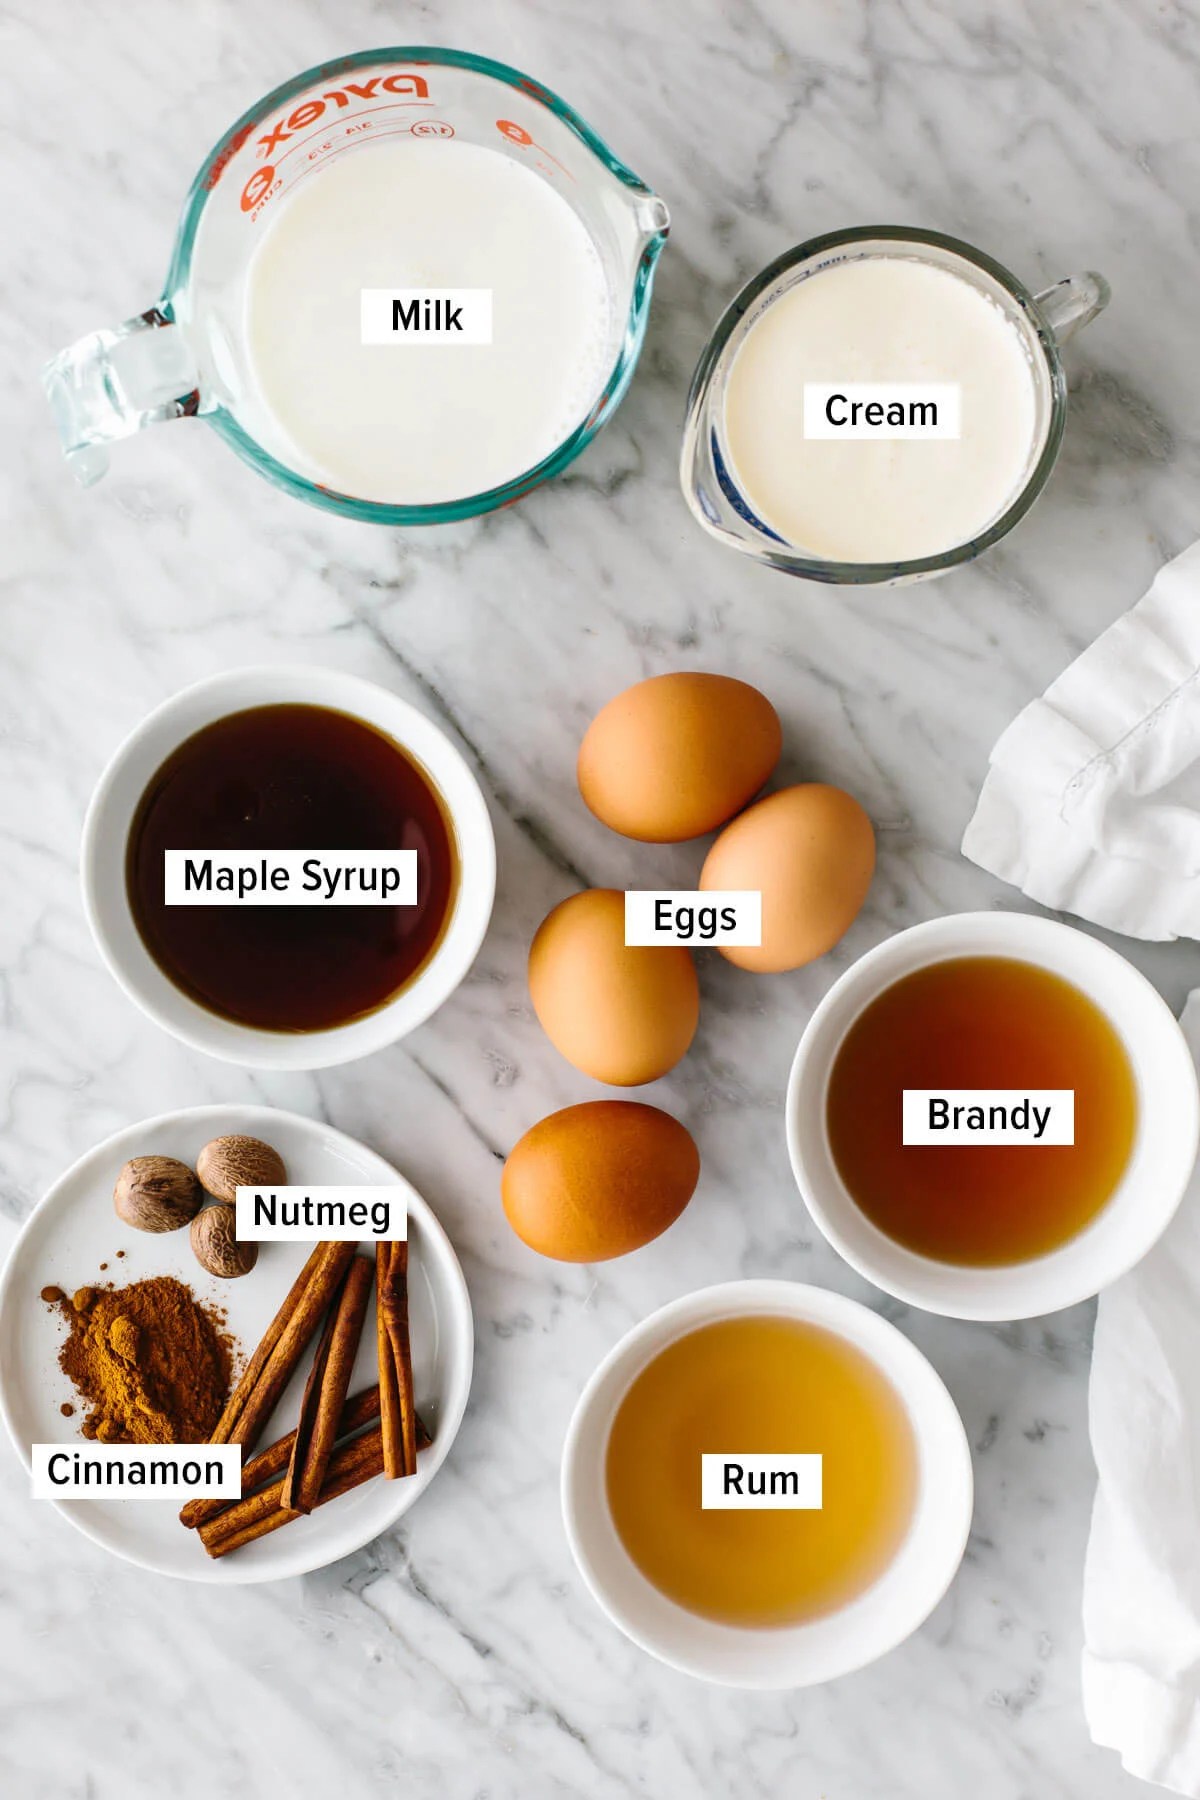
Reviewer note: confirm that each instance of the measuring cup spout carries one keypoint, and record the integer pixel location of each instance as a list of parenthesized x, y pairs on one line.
[(114, 383)]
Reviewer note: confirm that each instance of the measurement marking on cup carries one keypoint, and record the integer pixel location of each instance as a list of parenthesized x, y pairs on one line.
[(352, 119), (517, 134), (318, 158)]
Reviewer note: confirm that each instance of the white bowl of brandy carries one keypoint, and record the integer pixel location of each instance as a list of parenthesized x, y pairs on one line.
[(992, 1115), (766, 1485)]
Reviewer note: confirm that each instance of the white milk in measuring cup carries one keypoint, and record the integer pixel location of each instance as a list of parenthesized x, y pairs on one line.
[(432, 230), (408, 286)]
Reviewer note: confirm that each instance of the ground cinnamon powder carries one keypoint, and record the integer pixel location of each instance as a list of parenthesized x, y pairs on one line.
[(152, 1362)]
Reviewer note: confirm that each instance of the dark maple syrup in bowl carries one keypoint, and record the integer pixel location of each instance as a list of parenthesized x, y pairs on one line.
[(980, 1023), (291, 777)]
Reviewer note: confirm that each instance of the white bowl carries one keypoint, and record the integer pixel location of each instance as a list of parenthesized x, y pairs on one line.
[(106, 832), (788, 1656), (1165, 1139)]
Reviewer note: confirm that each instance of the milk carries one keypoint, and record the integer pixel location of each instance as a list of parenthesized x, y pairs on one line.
[(423, 419), (881, 497)]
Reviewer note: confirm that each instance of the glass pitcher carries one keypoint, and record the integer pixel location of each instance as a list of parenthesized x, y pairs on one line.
[(1043, 323), (187, 355)]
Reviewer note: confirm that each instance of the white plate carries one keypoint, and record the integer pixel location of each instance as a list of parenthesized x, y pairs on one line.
[(74, 1229)]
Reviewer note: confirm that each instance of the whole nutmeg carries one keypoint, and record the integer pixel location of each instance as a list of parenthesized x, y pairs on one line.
[(157, 1193), (228, 1163), (216, 1246)]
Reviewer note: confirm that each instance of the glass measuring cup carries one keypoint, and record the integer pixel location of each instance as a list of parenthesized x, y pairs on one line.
[(187, 355), (1043, 322)]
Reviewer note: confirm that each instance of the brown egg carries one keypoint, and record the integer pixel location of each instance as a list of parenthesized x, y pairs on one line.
[(598, 1180), (810, 851), (621, 1015), (675, 756)]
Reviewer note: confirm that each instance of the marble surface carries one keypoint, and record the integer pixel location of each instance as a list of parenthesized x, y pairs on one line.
[(459, 1655)]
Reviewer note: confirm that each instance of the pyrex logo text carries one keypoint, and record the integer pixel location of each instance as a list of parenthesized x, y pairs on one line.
[(309, 111)]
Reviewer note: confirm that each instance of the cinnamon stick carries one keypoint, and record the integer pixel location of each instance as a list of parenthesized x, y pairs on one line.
[(237, 1400), (326, 1388), (267, 1374), (358, 1461), (389, 1393), (361, 1409), (397, 1411)]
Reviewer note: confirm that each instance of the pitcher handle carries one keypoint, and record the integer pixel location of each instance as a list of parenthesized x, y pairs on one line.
[(1073, 303), (114, 383)]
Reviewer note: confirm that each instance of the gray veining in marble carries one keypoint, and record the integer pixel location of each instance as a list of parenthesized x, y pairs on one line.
[(459, 1656)]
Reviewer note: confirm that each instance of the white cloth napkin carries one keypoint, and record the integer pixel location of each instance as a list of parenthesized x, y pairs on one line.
[(1141, 1583), (1092, 801), (1092, 806)]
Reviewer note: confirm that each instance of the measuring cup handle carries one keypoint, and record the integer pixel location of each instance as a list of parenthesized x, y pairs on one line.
[(112, 384), (1073, 303)]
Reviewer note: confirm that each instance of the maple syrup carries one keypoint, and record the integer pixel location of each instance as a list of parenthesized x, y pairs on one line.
[(291, 777)]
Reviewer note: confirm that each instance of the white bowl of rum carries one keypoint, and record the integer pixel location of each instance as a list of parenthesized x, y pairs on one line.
[(766, 1485)]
